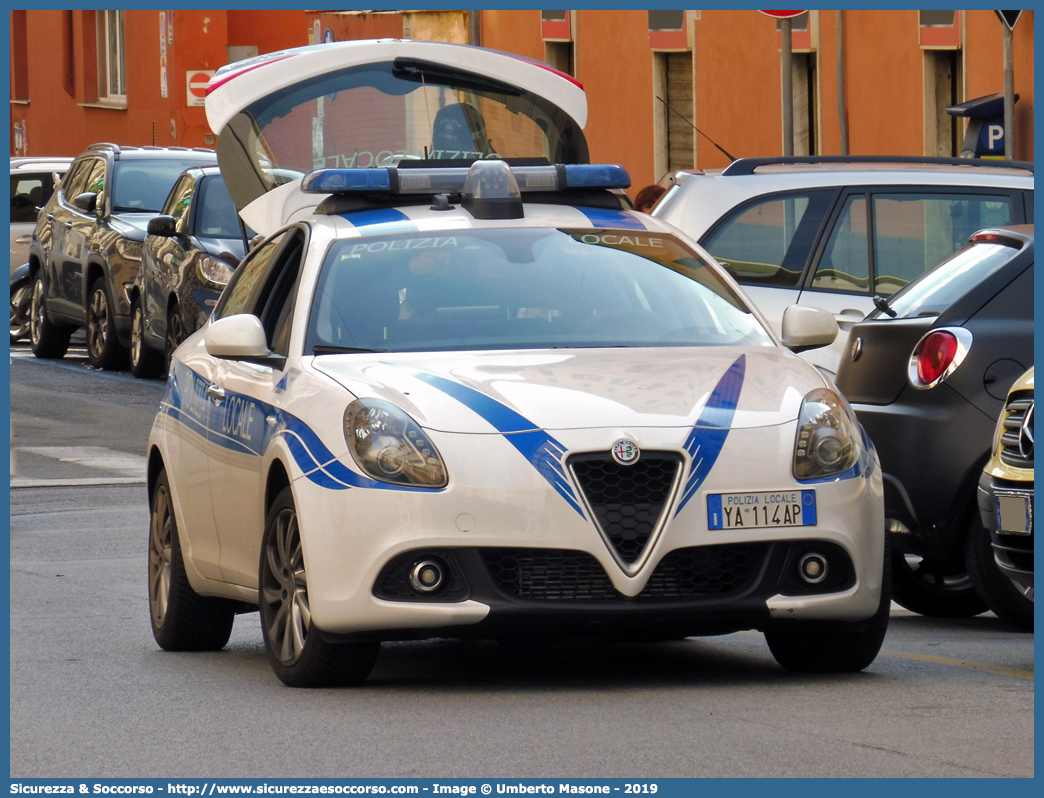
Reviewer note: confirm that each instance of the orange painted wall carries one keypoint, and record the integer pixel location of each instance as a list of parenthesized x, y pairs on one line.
[(738, 86), (619, 89), (513, 32), (361, 26), (267, 30)]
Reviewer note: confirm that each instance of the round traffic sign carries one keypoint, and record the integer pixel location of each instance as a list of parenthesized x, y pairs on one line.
[(197, 83), (781, 14)]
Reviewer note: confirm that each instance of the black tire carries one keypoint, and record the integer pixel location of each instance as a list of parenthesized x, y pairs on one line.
[(998, 591), (182, 620), (175, 334), (812, 647), (296, 649), (46, 339), (104, 350), (145, 361), (934, 587)]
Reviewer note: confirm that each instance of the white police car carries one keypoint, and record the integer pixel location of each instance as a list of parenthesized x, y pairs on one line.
[(465, 393)]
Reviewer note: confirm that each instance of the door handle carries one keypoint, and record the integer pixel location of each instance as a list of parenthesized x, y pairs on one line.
[(24, 239), (215, 393), (847, 317)]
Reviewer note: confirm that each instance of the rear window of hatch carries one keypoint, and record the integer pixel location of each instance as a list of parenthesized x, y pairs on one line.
[(935, 291)]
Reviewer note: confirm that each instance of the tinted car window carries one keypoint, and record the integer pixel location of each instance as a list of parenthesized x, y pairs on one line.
[(179, 202), (247, 281), (769, 243), (845, 265), (524, 288), (143, 185), (217, 217), (932, 293), (29, 192), (76, 178), (914, 233)]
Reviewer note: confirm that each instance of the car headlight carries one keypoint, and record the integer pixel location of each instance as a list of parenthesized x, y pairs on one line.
[(213, 271), (129, 250), (828, 438), (390, 446)]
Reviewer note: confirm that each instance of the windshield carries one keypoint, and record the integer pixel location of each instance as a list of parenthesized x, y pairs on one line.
[(143, 185), (384, 113), (523, 288), (935, 291)]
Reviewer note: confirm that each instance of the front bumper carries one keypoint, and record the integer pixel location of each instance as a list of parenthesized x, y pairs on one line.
[(523, 561), (1010, 524)]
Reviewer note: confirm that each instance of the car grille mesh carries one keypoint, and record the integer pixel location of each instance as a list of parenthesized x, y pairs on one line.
[(565, 575), (627, 501), (1015, 414)]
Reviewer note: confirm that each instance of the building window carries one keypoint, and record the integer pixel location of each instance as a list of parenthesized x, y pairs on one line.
[(667, 30), (19, 57), (556, 31), (939, 29), (804, 82), (674, 112), (112, 70), (942, 88), (554, 26)]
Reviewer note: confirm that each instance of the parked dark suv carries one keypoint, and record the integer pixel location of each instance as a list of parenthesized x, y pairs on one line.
[(86, 249)]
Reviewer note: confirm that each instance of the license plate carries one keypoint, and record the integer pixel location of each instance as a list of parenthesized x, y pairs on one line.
[(1014, 514), (777, 508)]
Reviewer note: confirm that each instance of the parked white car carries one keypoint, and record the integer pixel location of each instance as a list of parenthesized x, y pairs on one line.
[(32, 184), (795, 230), (474, 396)]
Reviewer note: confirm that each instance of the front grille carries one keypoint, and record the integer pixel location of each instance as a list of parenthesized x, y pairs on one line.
[(564, 575), (627, 500), (1015, 414)]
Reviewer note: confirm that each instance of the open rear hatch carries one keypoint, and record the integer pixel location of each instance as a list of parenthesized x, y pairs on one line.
[(387, 102)]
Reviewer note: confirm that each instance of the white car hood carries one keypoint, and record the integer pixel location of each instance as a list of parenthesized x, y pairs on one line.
[(582, 388)]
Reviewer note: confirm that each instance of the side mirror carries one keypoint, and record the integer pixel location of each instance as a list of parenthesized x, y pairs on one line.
[(239, 337), (162, 226), (86, 202), (805, 327), (229, 258)]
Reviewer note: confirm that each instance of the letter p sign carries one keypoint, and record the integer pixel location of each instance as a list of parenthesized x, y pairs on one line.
[(995, 137)]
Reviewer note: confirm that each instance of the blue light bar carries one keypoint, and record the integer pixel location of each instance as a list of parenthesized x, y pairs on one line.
[(452, 180), (602, 175), (334, 181)]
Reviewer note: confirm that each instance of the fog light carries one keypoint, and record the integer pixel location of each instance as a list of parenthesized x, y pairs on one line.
[(813, 568), (426, 576)]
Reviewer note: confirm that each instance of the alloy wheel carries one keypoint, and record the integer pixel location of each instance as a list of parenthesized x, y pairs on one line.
[(98, 323), (160, 546), (36, 313), (175, 334), (285, 590), (136, 336)]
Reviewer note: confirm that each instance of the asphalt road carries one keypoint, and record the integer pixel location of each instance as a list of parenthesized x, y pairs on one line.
[(92, 695)]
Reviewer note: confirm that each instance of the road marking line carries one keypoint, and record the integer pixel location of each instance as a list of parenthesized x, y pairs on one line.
[(123, 463), (22, 482), (999, 670)]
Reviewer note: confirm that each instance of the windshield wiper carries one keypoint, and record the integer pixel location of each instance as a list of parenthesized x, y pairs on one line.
[(322, 349), (882, 305)]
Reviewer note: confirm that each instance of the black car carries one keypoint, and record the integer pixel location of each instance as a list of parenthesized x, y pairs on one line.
[(928, 374), (190, 252), (86, 248)]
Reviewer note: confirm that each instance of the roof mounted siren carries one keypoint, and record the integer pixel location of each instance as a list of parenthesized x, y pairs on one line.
[(491, 191)]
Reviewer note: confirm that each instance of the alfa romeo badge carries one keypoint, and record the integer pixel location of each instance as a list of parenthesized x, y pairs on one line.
[(626, 452)]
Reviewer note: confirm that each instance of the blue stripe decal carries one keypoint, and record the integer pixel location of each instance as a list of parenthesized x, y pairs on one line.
[(707, 438), (603, 217), (239, 423), (393, 220), (543, 452)]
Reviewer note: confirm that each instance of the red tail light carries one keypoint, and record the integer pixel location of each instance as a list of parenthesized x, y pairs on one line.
[(937, 355), (937, 352)]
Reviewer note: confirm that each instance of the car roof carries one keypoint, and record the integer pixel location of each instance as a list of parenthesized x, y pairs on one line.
[(150, 152), (782, 177), (33, 164)]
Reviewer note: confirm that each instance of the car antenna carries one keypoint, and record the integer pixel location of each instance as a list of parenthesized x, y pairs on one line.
[(690, 124), (882, 305)]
